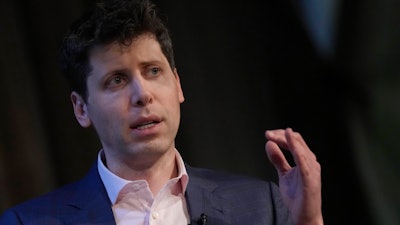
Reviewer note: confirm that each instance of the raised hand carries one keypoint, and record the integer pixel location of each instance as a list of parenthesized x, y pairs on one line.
[(300, 184)]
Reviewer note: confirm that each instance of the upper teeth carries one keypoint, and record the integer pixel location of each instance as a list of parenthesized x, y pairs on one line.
[(146, 125)]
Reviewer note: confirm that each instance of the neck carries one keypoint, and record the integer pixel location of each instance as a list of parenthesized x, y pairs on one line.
[(156, 172)]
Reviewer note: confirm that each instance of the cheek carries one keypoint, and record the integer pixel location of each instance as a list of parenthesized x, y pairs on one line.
[(174, 106), (102, 113), (172, 100), (98, 117)]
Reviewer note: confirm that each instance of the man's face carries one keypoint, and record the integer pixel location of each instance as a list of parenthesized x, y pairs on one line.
[(133, 100)]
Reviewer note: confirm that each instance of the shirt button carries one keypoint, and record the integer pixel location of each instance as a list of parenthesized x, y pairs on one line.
[(155, 215)]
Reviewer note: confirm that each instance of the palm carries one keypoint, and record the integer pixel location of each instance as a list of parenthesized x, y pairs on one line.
[(300, 186), (290, 186)]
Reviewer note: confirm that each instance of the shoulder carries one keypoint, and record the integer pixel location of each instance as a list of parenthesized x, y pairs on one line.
[(244, 198), (56, 205), (222, 177), (59, 196), (40, 206), (228, 182), (65, 193)]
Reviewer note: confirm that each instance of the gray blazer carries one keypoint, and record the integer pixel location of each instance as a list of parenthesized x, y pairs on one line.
[(213, 198)]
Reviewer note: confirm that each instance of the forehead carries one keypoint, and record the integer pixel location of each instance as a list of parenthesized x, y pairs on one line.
[(142, 43), (141, 50)]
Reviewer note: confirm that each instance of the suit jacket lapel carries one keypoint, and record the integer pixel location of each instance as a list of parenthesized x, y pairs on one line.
[(91, 202), (202, 199)]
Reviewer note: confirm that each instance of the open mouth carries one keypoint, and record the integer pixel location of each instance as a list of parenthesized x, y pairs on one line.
[(146, 125)]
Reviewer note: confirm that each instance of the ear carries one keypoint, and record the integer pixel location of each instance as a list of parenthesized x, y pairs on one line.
[(178, 83), (80, 110)]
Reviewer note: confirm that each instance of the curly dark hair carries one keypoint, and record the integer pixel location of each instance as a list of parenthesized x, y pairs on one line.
[(104, 23)]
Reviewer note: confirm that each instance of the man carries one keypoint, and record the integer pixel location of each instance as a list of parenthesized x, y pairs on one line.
[(119, 61)]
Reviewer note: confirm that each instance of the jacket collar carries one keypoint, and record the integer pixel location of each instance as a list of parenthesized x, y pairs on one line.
[(202, 198), (90, 201)]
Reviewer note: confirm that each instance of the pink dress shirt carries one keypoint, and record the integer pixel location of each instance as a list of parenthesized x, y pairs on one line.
[(134, 204)]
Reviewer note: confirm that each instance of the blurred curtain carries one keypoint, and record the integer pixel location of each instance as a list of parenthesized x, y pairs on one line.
[(25, 167), (369, 50)]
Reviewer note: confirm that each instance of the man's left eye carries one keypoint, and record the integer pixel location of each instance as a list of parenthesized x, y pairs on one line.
[(154, 70), (117, 79)]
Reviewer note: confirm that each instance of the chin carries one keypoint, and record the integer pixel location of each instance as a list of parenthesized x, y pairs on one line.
[(149, 149)]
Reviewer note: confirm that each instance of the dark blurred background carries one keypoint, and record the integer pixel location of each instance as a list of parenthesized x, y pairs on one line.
[(327, 68)]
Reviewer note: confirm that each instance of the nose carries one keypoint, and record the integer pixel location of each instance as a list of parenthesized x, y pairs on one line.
[(141, 95)]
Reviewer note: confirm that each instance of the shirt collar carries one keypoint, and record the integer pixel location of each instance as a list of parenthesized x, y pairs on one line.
[(114, 183)]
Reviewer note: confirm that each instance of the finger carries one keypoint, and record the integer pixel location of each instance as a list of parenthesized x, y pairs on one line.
[(304, 158), (297, 146), (293, 142), (278, 136), (278, 160)]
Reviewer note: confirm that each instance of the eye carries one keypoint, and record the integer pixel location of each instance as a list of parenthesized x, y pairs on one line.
[(154, 71), (116, 80)]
